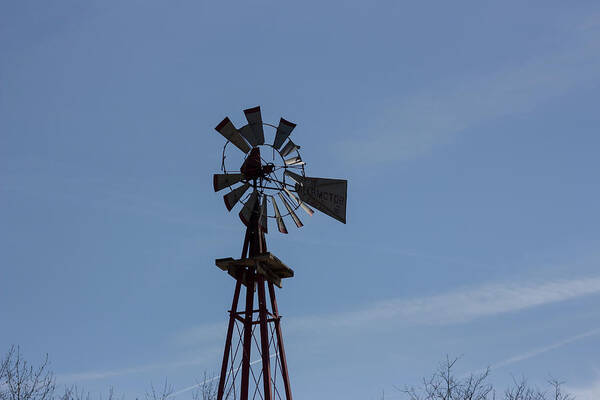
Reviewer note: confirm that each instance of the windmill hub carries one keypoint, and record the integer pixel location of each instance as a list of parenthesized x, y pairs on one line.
[(253, 168)]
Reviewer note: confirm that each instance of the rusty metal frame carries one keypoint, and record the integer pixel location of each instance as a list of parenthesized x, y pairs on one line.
[(263, 385)]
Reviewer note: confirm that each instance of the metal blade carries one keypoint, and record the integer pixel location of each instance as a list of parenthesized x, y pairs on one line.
[(248, 133), (294, 176), (228, 130), (280, 223), (255, 121), (292, 213), (294, 161), (235, 195), (262, 221), (248, 209), (306, 208), (221, 181), (283, 131), (326, 195), (288, 148)]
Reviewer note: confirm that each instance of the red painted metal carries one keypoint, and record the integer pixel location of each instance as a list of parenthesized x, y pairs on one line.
[(232, 315), (254, 244), (280, 347), (247, 338), (264, 339)]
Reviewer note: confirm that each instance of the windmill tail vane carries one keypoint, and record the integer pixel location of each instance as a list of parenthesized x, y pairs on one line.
[(275, 171)]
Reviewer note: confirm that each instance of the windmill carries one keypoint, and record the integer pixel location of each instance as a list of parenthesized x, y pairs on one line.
[(269, 184)]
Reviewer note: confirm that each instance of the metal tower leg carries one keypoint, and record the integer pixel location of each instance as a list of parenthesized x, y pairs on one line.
[(247, 337), (254, 245), (264, 339), (232, 313), (280, 348)]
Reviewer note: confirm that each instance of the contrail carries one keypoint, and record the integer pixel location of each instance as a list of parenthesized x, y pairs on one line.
[(541, 350), (187, 389), (538, 351)]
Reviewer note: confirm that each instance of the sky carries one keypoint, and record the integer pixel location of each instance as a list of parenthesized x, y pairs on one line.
[(468, 133)]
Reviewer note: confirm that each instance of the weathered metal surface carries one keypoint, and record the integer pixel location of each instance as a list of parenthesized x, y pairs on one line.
[(228, 130), (291, 211), (280, 224), (294, 176), (247, 343), (274, 264), (264, 339), (254, 119), (232, 315), (248, 209), (280, 346), (235, 195), (306, 208), (266, 264), (284, 130), (252, 166), (266, 258), (262, 221), (221, 181), (248, 133), (326, 195), (288, 148), (296, 161)]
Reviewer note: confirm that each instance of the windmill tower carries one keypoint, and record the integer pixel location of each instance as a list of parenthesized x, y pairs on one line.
[(264, 178)]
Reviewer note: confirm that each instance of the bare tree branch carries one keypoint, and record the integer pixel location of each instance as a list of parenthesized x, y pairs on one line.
[(21, 381)]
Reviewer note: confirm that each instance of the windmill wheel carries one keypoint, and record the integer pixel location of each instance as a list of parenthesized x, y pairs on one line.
[(274, 172)]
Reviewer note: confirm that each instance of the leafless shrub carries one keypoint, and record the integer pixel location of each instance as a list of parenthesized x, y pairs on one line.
[(20, 380), (207, 389), (162, 394), (444, 385)]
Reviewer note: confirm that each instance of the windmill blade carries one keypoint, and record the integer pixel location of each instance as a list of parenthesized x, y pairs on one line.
[(326, 195), (248, 133), (283, 131), (294, 161), (288, 148), (280, 223), (228, 130), (292, 213), (306, 208), (248, 209), (299, 179), (294, 176), (255, 122), (262, 221), (221, 181), (235, 195)]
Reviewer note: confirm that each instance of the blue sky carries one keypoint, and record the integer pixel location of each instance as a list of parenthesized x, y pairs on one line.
[(468, 134)]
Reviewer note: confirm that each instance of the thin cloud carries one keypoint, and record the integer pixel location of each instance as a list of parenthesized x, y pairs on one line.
[(541, 350), (433, 117), (591, 391), (458, 306), (96, 375), (453, 307)]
